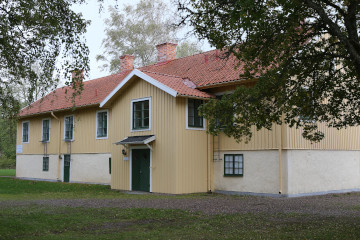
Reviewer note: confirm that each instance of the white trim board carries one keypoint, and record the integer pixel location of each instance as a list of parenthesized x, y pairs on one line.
[(143, 76)]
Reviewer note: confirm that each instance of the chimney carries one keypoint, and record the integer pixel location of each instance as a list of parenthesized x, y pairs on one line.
[(166, 52), (77, 75), (126, 62)]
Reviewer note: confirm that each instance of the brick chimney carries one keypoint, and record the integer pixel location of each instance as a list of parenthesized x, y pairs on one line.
[(77, 75), (166, 52), (126, 62)]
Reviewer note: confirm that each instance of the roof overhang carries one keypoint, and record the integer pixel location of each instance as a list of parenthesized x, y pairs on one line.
[(143, 76), (137, 140)]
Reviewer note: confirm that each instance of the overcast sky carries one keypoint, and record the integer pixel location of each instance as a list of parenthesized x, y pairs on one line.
[(95, 32)]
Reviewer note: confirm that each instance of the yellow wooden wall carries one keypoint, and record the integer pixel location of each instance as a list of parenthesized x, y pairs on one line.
[(344, 139), (163, 112), (84, 134), (192, 154)]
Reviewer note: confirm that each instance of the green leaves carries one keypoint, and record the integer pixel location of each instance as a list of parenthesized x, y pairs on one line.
[(44, 33), (288, 47)]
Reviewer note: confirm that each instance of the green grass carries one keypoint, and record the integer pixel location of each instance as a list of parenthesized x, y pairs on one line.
[(48, 222), (16, 189), (7, 172), (111, 223)]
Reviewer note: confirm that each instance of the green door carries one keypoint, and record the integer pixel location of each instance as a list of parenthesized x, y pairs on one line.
[(66, 168), (141, 170)]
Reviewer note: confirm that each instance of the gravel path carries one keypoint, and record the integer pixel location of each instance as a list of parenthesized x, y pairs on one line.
[(326, 205)]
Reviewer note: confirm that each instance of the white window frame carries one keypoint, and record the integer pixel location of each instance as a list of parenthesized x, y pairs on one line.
[(187, 118), (72, 129), (132, 114), (42, 128), (22, 131), (107, 124)]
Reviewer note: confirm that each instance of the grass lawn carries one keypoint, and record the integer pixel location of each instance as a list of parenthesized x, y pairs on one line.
[(16, 189), (7, 172), (48, 222)]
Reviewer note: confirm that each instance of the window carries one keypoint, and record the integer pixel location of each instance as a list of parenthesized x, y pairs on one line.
[(25, 132), (193, 118), (141, 114), (46, 130), (109, 165), (45, 164), (102, 124), (69, 128), (233, 164)]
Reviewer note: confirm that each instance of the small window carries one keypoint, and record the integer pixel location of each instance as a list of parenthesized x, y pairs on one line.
[(109, 165), (141, 115), (194, 119), (25, 132), (233, 165), (102, 124), (46, 130), (45, 164), (69, 128)]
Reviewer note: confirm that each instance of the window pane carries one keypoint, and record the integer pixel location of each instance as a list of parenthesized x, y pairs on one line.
[(46, 130), (69, 127), (102, 124), (141, 114), (194, 120), (26, 132)]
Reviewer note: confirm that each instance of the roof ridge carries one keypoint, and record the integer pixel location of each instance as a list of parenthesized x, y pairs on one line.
[(119, 73), (157, 63), (163, 74)]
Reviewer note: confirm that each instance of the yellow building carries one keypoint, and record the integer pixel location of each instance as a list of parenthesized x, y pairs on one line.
[(140, 130)]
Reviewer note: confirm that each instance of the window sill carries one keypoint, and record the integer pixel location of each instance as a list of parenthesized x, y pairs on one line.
[(140, 130), (195, 128), (233, 175), (101, 138)]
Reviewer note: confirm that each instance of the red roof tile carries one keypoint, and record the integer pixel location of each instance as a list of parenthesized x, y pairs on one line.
[(183, 75), (203, 69), (94, 92), (184, 87)]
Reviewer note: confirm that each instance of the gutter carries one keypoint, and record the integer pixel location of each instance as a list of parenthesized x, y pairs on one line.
[(59, 146)]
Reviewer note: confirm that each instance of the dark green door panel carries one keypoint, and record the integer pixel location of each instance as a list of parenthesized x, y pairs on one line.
[(66, 168), (141, 170)]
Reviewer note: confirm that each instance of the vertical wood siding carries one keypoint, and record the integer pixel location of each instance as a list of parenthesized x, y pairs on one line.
[(191, 153), (163, 122), (344, 139), (263, 139), (84, 134)]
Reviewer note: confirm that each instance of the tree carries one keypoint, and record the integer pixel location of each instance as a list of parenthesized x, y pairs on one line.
[(187, 48), (136, 30), (38, 32), (305, 56)]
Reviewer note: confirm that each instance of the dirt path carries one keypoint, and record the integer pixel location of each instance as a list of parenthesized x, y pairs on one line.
[(326, 205)]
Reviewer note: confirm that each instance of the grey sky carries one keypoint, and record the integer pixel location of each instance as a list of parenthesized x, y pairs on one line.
[(96, 31)]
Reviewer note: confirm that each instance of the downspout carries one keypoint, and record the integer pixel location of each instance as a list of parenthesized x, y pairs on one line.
[(280, 157), (209, 163), (59, 146)]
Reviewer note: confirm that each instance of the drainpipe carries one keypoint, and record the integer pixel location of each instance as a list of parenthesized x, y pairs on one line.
[(59, 146), (209, 163), (280, 143)]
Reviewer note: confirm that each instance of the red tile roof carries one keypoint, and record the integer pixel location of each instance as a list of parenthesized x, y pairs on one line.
[(184, 87), (183, 75), (203, 69), (94, 92)]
